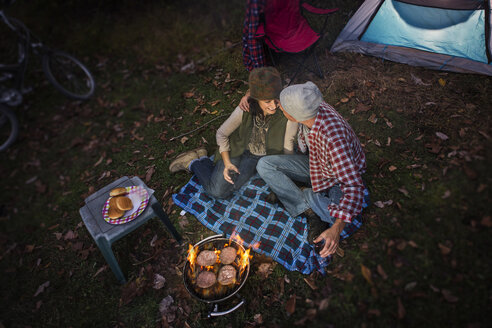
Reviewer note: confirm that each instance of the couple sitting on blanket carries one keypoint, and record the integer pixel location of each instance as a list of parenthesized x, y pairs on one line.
[(256, 134)]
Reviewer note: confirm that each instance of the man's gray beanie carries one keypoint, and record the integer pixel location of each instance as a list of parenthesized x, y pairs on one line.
[(301, 101)]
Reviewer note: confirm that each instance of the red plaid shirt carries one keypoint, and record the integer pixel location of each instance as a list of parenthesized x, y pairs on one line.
[(253, 52), (336, 157)]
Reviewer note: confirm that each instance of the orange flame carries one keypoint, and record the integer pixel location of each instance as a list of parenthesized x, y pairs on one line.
[(192, 253), (244, 261), (237, 238)]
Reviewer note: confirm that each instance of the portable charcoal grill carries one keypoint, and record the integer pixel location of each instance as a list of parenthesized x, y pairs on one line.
[(217, 293)]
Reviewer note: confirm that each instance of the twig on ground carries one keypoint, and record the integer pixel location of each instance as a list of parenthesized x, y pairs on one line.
[(198, 128)]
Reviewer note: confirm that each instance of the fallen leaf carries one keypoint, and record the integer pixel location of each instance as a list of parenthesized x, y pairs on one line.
[(373, 119), (290, 306), (410, 285), (401, 310), (379, 204), (403, 191), (381, 272), (444, 249), (442, 82), (311, 283), (148, 174), (99, 161), (165, 304), (344, 100), (412, 243), (366, 273), (388, 123), (69, 235), (323, 305), (41, 288), (159, 281), (265, 269), (374, 312), (184, 139), (258, 318), (101, 269), (189, 94), (447, 193), (361, 108), (392, 168), (486, 222), (29, 248), (442, 136), (485, 135), (448, 296), (214, 103), (31, 180)]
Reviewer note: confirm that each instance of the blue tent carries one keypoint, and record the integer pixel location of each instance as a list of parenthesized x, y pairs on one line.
[(452, 35)]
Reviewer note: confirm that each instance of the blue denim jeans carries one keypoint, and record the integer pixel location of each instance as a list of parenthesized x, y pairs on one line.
[(280, 172), (211, 176)]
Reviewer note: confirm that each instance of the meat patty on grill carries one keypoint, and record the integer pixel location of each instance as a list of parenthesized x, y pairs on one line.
[(206, 279), (227, 255), (206, 258), (227, 275)]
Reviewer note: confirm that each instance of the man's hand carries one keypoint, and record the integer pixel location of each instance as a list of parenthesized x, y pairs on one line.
[(227, 168), (244, 104), (331, 237)]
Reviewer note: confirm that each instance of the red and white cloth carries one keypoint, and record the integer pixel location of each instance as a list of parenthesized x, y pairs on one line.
[(335, 157)]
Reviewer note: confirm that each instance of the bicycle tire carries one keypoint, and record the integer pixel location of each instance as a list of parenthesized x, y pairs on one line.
[(7, 117), (68, 75)]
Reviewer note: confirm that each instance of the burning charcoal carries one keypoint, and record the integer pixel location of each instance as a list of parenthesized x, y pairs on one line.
[(206, 258), (206, 279), (227, 255), (227, 275)]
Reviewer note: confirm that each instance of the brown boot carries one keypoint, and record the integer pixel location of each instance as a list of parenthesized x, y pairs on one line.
[(182, 161), (272, 199), (315, 225)]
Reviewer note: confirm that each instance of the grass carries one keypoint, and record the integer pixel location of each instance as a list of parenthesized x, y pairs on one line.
[(426, 248)]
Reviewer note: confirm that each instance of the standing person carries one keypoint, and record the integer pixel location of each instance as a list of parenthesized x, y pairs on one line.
[(253, 51), (333, 167), (243, 139)]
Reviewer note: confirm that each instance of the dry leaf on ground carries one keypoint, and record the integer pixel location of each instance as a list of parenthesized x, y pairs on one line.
[(366, 273), (290, 306)]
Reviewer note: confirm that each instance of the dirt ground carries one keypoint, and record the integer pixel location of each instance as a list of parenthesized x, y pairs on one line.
[(421, 257)]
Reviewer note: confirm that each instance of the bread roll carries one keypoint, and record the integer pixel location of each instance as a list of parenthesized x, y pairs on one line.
[(227, 275), (227, 255), (206, 279), (114, 212), (206, 258), (123, 203), (118, 192)]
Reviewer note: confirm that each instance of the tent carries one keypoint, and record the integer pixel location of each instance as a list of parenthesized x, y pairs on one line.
[(450, 35)]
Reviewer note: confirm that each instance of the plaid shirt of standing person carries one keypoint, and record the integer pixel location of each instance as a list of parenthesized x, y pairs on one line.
[(336, 157), (253, 52)]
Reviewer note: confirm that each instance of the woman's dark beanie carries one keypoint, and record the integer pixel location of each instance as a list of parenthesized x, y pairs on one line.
[(265, 83)]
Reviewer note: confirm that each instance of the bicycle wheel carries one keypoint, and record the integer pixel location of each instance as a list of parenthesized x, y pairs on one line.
[(9, 127), (68, 75)]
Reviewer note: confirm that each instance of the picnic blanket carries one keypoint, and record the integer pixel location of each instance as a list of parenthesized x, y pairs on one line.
[(279, 236)]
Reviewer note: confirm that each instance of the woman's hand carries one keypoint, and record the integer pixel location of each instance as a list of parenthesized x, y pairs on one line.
[(244, 104), (227, 168)]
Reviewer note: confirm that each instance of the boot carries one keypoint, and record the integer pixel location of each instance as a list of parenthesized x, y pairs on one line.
[(272, 199), (315, 225), (182, 161), (202, 151)]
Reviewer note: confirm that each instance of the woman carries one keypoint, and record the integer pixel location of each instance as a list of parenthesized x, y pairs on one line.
[(243, 139)]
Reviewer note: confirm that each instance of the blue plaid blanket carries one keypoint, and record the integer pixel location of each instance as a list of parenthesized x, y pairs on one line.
[(279, 236)]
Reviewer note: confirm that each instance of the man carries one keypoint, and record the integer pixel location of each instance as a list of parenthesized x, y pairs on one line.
[(333, 167)]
